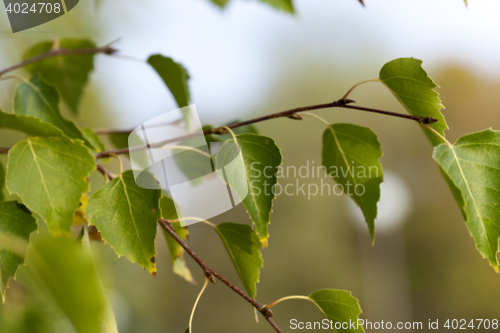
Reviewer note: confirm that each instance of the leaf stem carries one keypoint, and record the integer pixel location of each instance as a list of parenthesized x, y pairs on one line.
[(286, 299), (317, 117), (210, 274), (120, 163), (358, 84), (196, 304), (14, 76), (232, 133), (439, 135), (188, 148)]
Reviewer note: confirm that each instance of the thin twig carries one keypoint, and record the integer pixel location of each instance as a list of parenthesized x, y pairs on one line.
[(210, 274), (293, 113), (4, 151), (104, 172), (421, 120), (107, 49)]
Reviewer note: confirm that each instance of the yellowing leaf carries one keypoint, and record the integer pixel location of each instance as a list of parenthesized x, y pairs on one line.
[(50, 176), (179, 266)]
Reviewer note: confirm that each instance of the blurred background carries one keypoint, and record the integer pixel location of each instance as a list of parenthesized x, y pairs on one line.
[(250, 60)]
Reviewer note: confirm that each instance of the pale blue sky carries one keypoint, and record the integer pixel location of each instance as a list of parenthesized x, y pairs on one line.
[(230, 54)]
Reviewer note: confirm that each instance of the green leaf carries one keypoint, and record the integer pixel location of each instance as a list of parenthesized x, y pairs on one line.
[(220, 3), (66, 274), (50, 175), (168, 212), (29, 125), (107, 315), (471, 166), (351, 157), (40, 100), (94, 139), (338, 306), (68, 73), (261, 157), (175, 77), (119, 140), (2, 182), (284, 5), (411, 85), (127, 215), (16, 225), (243, 246)]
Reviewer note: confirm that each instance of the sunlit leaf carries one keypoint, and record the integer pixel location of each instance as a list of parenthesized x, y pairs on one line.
[(40, 100), (67, 275), (127, 216), (261, 157), (50, 175), (68, 73), (16, 225), (169, 212), (338, 306), (411, 85), (351, 156), (472, 166), (243, 246)]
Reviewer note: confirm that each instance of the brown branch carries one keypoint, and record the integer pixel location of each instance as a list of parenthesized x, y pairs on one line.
[(103, 170), (293, 114), (210, 273), (4, 151), (107, 49)]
